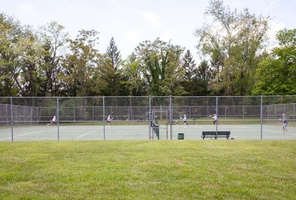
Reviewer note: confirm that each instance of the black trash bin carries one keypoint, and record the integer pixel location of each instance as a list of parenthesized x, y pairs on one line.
[(180, 136)]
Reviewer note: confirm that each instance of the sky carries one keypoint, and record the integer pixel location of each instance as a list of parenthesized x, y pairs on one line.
[(131, 22)]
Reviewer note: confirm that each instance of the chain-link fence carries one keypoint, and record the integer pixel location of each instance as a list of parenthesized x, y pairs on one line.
[(26, 118)]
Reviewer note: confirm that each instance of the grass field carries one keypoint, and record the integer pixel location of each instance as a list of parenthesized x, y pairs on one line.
[(182, 169)]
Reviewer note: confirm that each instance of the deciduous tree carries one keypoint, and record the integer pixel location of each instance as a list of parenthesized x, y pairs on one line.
[(160, 67), (276, 75), (134, 82), (81, 64), (10, 32), (233, 43)]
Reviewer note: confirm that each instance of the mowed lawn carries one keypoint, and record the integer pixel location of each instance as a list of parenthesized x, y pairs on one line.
[(179, 169)]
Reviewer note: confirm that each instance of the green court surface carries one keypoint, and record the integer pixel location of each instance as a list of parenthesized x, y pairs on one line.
[(141, 132)]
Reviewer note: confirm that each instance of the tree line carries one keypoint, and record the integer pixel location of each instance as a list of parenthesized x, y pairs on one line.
[(235, 60)]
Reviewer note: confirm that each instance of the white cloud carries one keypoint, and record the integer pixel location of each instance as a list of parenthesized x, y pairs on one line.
[(132, 36), (274, 28), (167, 36), (116, 2), (152, 19), (26, 7), (273, 2)]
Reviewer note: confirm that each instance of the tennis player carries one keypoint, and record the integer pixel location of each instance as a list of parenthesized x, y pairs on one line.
[(109, 120), (285, 123), (215, 119), (185, 120), (53, 121)]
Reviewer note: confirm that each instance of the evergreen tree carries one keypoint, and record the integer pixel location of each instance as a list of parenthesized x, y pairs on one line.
[(111, 72)]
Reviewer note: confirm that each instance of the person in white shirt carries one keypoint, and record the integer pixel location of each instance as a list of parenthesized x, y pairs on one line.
[(109, 120), (53, 121), (215, 119), (285, 123), (185, 120)]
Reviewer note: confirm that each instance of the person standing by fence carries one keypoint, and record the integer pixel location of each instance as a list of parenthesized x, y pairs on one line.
[(185, 120), (109, 120), (285, 123), (215, 119)]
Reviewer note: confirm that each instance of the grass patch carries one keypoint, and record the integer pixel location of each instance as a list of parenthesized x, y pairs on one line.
[(209, 169)]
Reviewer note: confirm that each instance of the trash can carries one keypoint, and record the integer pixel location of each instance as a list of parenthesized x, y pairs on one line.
[(180, 136)]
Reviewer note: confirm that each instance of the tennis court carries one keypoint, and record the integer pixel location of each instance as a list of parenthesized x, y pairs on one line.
[(141, 132), (84, 118)]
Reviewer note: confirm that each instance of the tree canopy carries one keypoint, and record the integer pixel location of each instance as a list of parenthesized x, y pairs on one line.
[(233, 43), (233, 60), (276, 74)]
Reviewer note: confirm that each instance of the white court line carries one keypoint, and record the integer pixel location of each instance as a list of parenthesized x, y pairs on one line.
[(239, 126), (84, 134), (78, 127), (287, 133), (15, 136), (281, 132), (272, 131)]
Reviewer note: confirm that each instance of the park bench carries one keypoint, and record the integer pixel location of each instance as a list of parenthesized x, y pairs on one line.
[(215, 134)]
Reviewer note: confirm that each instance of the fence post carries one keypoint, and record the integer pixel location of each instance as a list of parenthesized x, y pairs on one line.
[(58, 119), (104, 126), (261, 116), (150, 134), (130, 109), (11, 118), (294, 111), (217, 112), (171, 119)]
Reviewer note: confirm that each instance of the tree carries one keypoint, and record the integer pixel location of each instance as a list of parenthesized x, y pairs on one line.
[(114, 55), (204, 75), (195, 79), (160, 67), (53, 39), (135, 84), (28, 73), (19, 59), (30, 61), (188, 78), (111, 72), (10, 31), (80, 65), (233, 43), (276, 75)]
